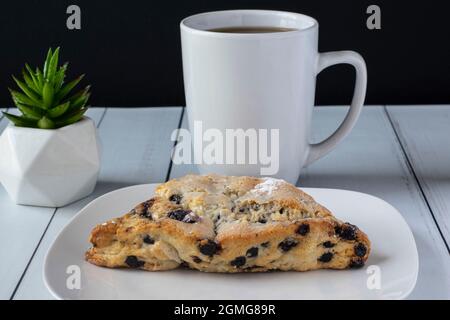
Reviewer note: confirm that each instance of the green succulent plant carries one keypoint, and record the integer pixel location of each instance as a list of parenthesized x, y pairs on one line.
[(44, 99)]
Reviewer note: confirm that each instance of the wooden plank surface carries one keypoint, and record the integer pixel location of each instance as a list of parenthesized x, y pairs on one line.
[(371, 160), (21, 228), (136, 149), (179, 170), (424, 131)]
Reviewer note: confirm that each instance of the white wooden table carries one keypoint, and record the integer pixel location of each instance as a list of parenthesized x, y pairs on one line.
[(400, 154)]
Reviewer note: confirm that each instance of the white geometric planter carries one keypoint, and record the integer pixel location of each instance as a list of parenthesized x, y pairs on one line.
[(50, 168)]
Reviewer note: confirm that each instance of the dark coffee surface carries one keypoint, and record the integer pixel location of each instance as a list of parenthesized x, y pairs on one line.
[(255, 29)]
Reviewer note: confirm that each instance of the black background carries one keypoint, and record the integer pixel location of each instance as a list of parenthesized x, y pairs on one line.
[(130, 50)]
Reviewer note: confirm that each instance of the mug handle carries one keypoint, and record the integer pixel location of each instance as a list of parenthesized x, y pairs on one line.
[(326, 60)]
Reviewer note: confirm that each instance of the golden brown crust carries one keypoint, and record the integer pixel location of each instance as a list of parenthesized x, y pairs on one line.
[(228, 224)]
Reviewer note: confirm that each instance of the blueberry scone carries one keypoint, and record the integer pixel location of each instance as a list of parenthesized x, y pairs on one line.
[(228, 224)]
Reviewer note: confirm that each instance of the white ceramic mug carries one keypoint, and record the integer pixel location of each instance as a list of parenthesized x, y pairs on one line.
[(262, 81)]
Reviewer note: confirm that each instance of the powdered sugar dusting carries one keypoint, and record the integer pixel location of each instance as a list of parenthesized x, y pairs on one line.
[(267, 187)]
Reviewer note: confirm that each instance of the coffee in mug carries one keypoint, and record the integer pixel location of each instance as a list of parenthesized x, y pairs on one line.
[(250, 75), (254, 29)]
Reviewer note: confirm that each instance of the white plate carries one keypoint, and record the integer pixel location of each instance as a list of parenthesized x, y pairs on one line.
[(393, 263)]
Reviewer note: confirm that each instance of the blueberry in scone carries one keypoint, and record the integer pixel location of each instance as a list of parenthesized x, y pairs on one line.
[(288, 244), (228, 224), (252, 252)]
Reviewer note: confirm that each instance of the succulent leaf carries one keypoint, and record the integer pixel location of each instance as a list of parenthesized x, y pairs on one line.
[(30, 94), (20, 121), (79, 94), (40, 77), (67, 88), (30, 112), (72, 118), (60, 76), (29, 82), (47, 63), (34, 77), (58, 111), (22, 99), (47, 94), (46, 123), (44, 99), (53, 66), (81, 101)]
